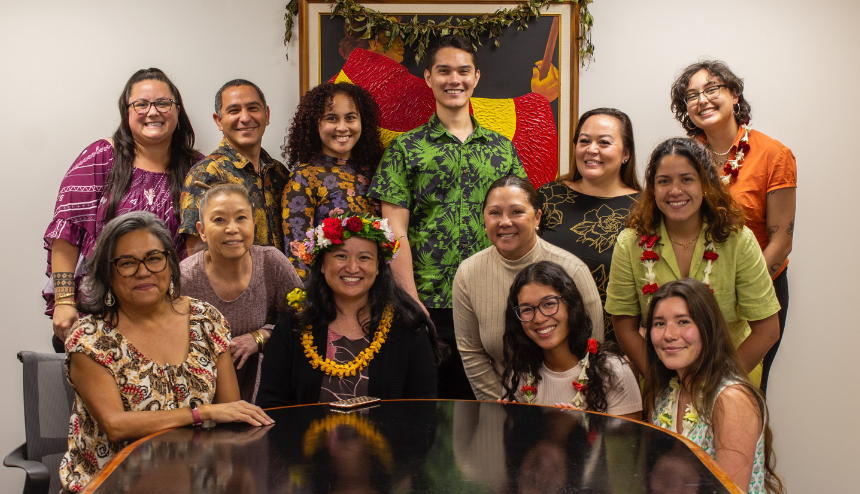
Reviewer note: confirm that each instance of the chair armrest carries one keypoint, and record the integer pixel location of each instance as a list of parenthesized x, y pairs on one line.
[(38, 476)]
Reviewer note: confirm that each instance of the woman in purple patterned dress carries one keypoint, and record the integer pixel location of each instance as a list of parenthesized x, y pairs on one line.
[(331, 158), (141, 168)]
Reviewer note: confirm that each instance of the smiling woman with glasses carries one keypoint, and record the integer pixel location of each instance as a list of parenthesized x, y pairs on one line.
[(550, 357), (141, 168), (761, 173), (144, 359)]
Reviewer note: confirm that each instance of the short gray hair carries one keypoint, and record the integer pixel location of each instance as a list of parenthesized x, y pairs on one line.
[(98, 265)]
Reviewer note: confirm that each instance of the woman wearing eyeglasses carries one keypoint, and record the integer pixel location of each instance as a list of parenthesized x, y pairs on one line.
[(144, 358), (761, 173), (550, 357), (511, 216), (141, 168)]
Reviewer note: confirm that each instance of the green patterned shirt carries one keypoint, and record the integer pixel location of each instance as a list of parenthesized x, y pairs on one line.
[(228, 166), (442, 182)]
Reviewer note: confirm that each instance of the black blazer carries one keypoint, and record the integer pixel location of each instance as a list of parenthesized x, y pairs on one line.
[(403, 368)]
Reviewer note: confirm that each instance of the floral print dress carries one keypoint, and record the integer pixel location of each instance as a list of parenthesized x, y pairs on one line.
[(143, 385), (315, 189)]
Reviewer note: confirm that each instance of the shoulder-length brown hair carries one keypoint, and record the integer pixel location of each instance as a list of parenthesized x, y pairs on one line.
[(628, 168), (718, 70), (717, 363), (719, 210)]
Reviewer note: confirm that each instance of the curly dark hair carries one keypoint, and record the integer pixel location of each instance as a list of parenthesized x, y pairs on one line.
[(522, 355), (717, 362), (718, 70), (182, 152), (320, 308), (303, 142), (718, 209), (628, 168)]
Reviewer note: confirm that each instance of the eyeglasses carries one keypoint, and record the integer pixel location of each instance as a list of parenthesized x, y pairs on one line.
[(127, 266), (710, 92), (142, 106), (548, 307)]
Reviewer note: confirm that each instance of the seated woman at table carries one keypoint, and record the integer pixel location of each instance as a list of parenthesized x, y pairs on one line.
[(511, 215), (689, 348), (686, 225), (358, 333), (549, 350), (140, 168), (333, 148), (247, 283), (144, 359)]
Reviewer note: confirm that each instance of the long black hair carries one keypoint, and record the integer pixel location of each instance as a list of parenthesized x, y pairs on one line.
[(182, 152), (524, 356), (320, 308)]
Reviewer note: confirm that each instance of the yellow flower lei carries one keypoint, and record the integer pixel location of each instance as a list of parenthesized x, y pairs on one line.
[(360, 361)]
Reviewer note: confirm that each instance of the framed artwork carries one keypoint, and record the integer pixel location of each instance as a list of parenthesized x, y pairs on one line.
[(510, 73)]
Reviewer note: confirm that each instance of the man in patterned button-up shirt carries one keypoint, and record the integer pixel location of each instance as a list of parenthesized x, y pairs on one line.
[(432, 182), (242, 115)]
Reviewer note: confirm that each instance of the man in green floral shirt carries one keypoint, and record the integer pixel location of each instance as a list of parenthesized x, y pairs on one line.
[(242, 115), (432, 181)]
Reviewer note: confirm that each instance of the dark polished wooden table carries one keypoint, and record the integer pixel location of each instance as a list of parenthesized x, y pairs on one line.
[(424, 446)]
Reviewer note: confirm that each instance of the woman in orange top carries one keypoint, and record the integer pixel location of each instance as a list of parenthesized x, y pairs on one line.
[(761, 173)]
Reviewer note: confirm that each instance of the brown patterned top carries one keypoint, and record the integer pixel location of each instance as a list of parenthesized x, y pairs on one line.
[(142, 384)]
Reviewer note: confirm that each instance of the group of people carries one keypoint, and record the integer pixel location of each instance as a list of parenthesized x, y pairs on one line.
[(428, 269)]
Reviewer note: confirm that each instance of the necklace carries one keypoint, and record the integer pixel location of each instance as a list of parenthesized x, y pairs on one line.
[(720, 154), (360, 361), (529, 391), (666, 417), (733, 166), (649, 259), (683, 245)]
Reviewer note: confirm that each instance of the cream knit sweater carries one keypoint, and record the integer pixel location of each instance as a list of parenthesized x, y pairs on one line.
[(480, 295)]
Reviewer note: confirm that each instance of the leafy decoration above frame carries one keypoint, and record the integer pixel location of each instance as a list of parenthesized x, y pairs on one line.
[(374, 23)]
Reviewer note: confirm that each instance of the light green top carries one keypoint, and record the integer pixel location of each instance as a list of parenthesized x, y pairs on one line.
[(739, 277)]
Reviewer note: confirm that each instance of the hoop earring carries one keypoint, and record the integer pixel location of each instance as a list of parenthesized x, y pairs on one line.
[(109, 300), (171, 289), (737, 109), (687, 123)]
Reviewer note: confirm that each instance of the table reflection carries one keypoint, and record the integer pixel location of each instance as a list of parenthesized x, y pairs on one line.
[(417, 446)]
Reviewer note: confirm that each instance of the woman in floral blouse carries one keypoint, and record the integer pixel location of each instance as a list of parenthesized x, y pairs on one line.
[(689, 348), (144, 359), (332, 160)]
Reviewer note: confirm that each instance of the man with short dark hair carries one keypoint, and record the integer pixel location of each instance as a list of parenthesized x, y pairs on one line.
[(432, 181), (242, 115)]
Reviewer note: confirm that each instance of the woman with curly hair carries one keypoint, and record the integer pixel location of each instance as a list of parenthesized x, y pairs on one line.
[(761, 173), (548, 348), (686, 225), (331, 158), (693, 366)]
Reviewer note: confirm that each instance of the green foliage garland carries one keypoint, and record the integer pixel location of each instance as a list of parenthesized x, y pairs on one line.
[(374, 23)]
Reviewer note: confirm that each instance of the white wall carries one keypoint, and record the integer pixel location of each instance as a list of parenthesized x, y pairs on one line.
[(64, 64)]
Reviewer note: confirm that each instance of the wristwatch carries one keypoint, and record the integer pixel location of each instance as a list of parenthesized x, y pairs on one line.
[(196, 413)]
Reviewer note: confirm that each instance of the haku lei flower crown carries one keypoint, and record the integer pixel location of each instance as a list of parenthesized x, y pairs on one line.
[(339, 227), (649, 259), (666, 417), (360, 361), (733, 166), (529, 391)]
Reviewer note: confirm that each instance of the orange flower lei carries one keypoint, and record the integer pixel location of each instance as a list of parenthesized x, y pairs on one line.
[(360, 361)]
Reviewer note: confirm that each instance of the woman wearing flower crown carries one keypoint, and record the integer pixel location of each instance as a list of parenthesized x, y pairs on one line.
[(550, 357), (689, 347), (356, 333), (333, 148), (761, 173), (686, 225)]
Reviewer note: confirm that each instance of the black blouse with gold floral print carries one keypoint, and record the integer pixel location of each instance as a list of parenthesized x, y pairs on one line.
[(586, 226)]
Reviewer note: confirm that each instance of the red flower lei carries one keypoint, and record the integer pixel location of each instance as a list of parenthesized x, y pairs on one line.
[(649, 259), (529, 391)]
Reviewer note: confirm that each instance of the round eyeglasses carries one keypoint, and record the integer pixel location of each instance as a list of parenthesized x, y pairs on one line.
[(142, 106), (710, 92), (127, 266), (547, 307)]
